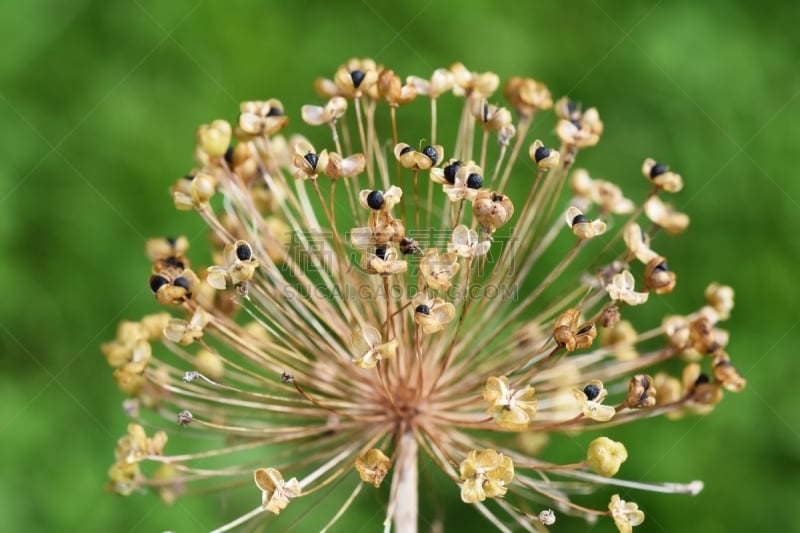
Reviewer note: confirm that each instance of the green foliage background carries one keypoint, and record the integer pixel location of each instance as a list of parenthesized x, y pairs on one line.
[(98, 104)]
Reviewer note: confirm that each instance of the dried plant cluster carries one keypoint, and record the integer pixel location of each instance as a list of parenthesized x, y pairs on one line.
[(384, 297)]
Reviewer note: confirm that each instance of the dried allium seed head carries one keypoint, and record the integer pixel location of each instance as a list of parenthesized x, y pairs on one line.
[(428, 324)]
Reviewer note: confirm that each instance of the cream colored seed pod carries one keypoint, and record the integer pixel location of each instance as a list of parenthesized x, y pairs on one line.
[(492, 210)]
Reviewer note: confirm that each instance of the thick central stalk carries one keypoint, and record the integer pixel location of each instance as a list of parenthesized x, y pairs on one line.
[(406, 493)]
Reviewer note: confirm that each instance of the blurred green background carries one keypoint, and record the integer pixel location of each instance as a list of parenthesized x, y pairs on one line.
[(98, 105)]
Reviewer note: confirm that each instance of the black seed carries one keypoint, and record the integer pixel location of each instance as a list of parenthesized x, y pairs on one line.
[(229, 155), (406, 150), (585, 329), (430, 152), (424, 309), (450, 171), (661, 267), (498, 198), (243, 252), (357, 76), (274, 112), (658, 169), (189, 177), (591, 391), (542, 152), (576, 123), (312, 159), (702, 378), (156, 282), (174, 261), (486, 112), (380, 251), (171, 240), (474, 181), (580, 219), (572, 107), (375, 200), (181, 282)]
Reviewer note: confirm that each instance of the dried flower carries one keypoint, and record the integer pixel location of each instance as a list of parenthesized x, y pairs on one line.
[(582, 227), (335, 355), (661, 176), (621, 288), (512, 409), (591, 398), (626, 514), (485, 475), (373, 467)]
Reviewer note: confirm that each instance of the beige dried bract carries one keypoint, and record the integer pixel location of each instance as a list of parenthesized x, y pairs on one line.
[(275, 492)]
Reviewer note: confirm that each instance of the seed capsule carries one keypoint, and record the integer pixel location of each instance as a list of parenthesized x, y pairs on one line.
[(541, 153), (591, 391)]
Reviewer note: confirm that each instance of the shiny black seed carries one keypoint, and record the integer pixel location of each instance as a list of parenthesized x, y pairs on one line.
[(576, 123), (274, 112), (312, 159), (702, 378), (658, 169), (450, 171), (474, 181), (229, 155), (542, 152), (243, 252), (661, 267), (380, 251), (580, 219), (406, 150), (181, 282), (498, 198), (357, 76), (424, 309), (430, 152), (189, 177), (156, 282), (171, 240), (585, 329), (375, 200), (486, 112), (591, 391), (645, 383)]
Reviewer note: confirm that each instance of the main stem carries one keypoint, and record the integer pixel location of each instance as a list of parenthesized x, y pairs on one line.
[(407, 494)]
